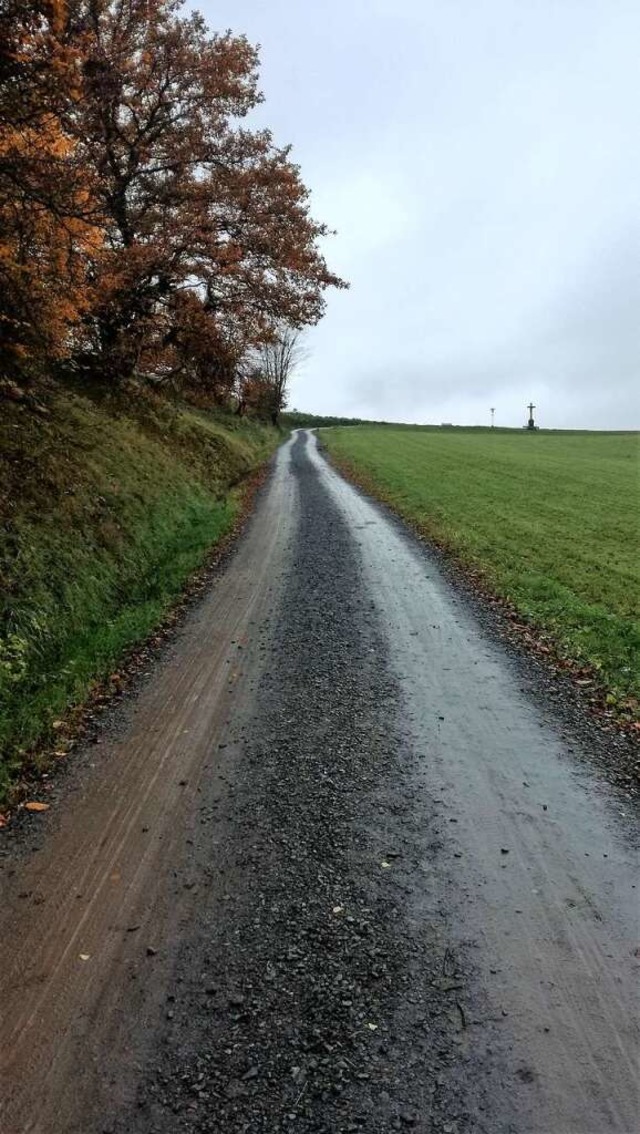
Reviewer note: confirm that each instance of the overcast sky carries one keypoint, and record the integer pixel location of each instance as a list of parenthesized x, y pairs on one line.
[(480, 160)]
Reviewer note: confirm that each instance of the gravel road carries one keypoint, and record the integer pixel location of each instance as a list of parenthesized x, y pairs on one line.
[(338, 866)]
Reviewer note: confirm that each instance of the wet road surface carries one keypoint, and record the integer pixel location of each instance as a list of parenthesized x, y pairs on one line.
[(546, 886), (333, 870)]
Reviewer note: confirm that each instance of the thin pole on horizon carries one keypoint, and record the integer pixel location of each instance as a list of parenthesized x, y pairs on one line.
[(493, 410)]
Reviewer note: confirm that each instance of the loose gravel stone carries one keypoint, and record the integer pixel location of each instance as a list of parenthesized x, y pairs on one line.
[(334, 1018)]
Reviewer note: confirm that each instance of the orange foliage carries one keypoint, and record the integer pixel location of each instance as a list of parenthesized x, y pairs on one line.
[(141, 223), (45, 197)]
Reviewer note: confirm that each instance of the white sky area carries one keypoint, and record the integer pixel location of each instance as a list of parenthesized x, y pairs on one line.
[(480, 160)]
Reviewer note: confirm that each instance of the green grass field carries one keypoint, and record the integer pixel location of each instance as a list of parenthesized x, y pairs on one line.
[(549, 519)]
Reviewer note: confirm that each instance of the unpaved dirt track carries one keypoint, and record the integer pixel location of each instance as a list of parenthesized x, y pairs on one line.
[(336, 871)]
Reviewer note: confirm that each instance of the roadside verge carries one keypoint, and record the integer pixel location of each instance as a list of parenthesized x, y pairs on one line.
[(105, 517), (595, 684)]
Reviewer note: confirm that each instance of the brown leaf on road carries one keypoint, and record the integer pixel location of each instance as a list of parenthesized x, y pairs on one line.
[(35, 805)]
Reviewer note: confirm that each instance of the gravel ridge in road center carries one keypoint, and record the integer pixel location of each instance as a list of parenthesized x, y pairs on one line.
[(307, 996)]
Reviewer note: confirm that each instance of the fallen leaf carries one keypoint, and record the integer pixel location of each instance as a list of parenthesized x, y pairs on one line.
[(372, 1027), (35, 805), (385, 865), (57, 725), (85, 956)]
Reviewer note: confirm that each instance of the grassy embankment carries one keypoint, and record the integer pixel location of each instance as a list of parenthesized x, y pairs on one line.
[(549, 520), (103, 517)]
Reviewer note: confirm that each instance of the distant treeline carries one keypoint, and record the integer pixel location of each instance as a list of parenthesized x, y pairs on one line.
[(296, 420)]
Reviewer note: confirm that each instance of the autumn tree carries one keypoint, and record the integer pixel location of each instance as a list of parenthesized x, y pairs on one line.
[(46, 224), (275, 364), (143, 225), (209, 238)]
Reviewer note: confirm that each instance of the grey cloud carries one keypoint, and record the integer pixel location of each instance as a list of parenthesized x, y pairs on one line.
[(480, 162)]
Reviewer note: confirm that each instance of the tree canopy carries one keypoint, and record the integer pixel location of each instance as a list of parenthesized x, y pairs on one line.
[(145, 227)]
